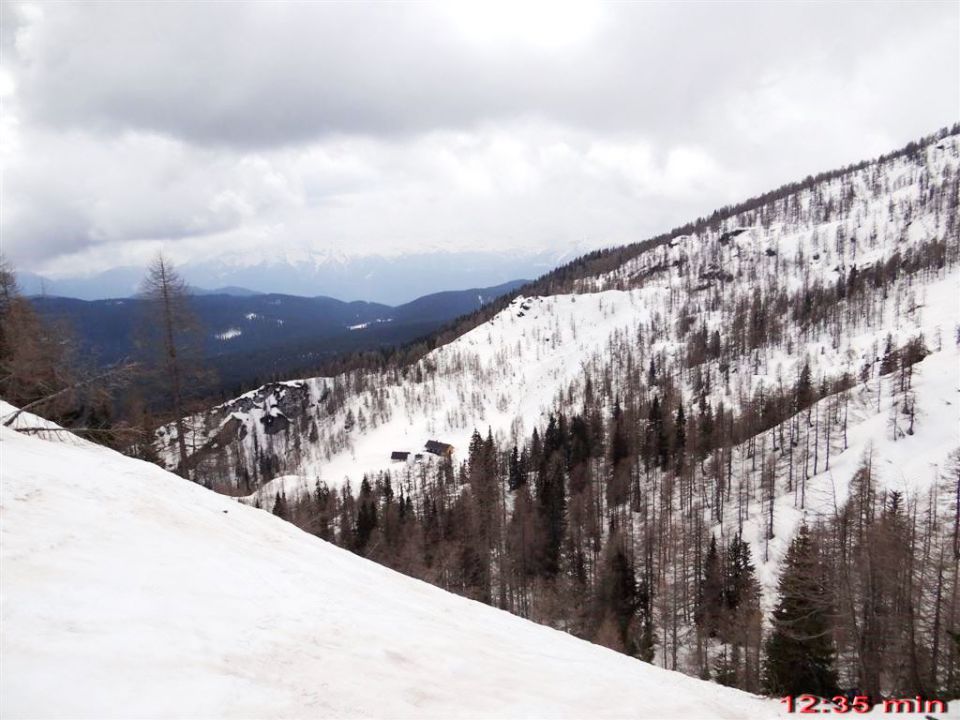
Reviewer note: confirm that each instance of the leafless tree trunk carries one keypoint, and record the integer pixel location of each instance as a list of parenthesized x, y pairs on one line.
[(169, 325)]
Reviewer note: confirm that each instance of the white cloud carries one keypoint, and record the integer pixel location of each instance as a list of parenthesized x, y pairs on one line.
[(301, 130)]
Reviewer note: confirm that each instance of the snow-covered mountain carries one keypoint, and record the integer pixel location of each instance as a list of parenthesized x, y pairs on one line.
[(534, 356), (730, 379), (130, 592)]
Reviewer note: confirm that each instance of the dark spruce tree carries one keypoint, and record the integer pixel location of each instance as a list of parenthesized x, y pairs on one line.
[(551, 495), (711, 593), (618, 598), (366, 516), (799, 651), (280, 506)]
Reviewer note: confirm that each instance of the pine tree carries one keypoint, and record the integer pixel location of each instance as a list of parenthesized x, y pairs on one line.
[(680, 437), (655, 439), (551, 501), (617, 598), (366, 516), (711, 595), (800, 652), (803, 394), (517, 469), (890, 360), (739, 574), (280, 506), (742, 619)]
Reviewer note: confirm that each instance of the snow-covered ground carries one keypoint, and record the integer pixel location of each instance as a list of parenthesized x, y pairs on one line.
[(290, 486), (229, 334), (129, 592), (911, 464), (531, 358), (534, 357)]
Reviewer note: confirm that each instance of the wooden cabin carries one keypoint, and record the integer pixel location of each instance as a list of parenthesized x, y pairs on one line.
[(442, 449), (399, 455)]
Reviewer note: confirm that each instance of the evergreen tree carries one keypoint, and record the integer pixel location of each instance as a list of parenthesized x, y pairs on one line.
[(711, 595), (800, 652), (804, 390), (551, 501), (517, 468), (617, 597), (655, 437), (739, 574), (366, 516), (742, 618), (680, 436), (280, 506), (889, 362), (647, 639)]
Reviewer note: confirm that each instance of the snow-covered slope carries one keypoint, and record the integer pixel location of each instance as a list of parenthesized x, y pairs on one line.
[(911, 464), (129, 592), (533, 357), (727, 379)]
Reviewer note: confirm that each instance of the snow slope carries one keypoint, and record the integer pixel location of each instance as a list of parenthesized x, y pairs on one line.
[(912, 464), (531, 358), (129, 592)]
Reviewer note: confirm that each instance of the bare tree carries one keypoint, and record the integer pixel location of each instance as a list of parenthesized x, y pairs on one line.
[(169, 334), (36, 363)]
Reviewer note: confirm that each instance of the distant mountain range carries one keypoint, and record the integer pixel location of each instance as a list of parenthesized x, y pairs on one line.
[(227, 290), (249, 334), (383, 279)]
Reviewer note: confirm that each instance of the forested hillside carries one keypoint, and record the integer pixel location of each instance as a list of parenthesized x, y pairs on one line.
[(731, 450), (248, 338)]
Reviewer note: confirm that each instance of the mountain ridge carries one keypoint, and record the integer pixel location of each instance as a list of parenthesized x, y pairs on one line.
[(375, 278), (264, 333)]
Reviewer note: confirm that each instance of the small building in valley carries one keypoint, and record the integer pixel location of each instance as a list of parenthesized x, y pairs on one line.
[(399, 455), (436, 447)]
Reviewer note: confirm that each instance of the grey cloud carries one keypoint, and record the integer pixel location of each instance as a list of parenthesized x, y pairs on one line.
[(265, 74), (297, 130)]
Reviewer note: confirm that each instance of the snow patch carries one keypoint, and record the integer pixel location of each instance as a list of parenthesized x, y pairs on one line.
[(229, 334)]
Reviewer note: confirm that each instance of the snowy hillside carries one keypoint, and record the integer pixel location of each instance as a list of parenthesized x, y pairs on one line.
[(912, 464), (533, 357), (663, 425), (129, 592)]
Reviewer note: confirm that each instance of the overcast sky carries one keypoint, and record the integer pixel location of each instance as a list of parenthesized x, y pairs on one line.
[(252, 130)]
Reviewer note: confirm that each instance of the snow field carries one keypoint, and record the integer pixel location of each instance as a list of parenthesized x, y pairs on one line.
[(129, 592)]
